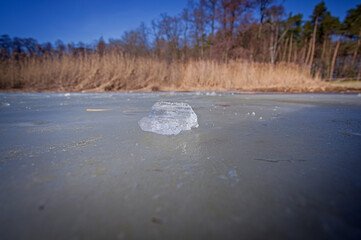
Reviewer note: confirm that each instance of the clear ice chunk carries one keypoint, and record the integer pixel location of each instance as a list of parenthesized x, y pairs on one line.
[(169, 118)]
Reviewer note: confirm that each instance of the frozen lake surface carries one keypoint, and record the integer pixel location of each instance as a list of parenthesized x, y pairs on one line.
[(261, 166)]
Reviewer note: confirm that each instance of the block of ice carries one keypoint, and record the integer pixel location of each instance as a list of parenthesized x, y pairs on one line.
[(169, 118)]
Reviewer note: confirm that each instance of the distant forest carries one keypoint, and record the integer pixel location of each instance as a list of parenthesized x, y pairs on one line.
[(224, 30)]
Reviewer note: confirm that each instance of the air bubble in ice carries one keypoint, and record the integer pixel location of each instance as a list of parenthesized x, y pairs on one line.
[(169, 118)]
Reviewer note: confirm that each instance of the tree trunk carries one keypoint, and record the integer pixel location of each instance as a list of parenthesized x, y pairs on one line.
[(271, 47), (275, 48), (345, 66), (334, 58), (356, 50), (328, 60), (224, 20), (295, 55), (274, 44), (290, 49), (285, 50), (324, 47), (185, 47), (313, 44), (233, 18), (264, 56), (213, 17), (308, 52), (259, 31), (302, 60), (359, 71)]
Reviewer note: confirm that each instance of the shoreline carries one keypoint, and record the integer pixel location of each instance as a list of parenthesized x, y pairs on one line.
[(326, 89)]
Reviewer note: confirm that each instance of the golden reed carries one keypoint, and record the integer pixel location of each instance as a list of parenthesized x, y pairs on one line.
[(116, 72)]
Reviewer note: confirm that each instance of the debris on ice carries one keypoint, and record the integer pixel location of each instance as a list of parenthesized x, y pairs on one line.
[(5, 104), (169, 118), (211, 94), (233, 175), (222, 177)]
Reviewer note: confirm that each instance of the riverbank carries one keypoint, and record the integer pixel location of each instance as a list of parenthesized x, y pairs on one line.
[(115, 72), (327, 89)]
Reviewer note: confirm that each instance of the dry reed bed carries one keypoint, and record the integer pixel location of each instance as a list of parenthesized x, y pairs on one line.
[(115, 72)]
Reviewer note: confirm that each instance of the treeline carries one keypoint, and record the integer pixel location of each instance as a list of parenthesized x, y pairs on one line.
[(225, 30)]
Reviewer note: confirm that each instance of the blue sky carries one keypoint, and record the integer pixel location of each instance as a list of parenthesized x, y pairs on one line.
[(87, 21)]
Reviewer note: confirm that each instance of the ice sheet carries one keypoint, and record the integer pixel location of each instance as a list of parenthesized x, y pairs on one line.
[(69, 173)]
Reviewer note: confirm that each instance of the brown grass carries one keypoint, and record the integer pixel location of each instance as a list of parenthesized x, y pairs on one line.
[(115, 72)]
